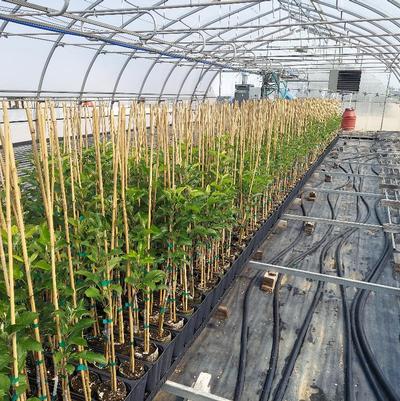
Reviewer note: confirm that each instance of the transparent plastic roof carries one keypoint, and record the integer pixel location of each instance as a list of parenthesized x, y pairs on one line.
[(176, 48)]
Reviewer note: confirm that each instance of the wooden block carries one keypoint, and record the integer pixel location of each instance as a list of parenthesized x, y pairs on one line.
[(221, 313), (311, 196), (309, 227), (388, 186), (258, 255), (269, 281), (390, 203)]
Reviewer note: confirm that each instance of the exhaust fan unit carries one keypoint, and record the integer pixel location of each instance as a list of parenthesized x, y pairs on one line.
[(344, 80)]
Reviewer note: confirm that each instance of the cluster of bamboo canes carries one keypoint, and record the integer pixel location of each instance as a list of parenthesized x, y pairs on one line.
[(131, 214)]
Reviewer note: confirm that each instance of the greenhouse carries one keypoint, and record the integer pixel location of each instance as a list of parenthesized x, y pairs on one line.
[(199, 200)]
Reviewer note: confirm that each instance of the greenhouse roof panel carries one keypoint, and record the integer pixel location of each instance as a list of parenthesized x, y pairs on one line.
[(228, 35)]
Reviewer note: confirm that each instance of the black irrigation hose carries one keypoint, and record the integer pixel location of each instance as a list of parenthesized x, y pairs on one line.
[(371, 368), (353, 322), (348, 368), (276, 331), (280, 390), (267, 387), (372, 380), (244, 332), (282, 385)]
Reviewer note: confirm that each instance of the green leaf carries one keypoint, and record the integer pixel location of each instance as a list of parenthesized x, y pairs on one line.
[(153, 277), (4, 382), (82, 324), (116, 287), (18, 258), (69, 368), (42, 264), (33, 257), (57, 357), (93, 292), (29, 344), (44, 235), (76, 340), (26, 318), (113, 262), (89, 275), (4, 360), (90, 356), (92, 258), (21, 389)]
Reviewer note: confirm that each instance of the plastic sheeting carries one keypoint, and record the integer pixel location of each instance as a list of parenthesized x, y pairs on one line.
[(188, 45)]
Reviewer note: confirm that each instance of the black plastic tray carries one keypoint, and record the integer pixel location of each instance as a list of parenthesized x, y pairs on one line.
[(149, 385)]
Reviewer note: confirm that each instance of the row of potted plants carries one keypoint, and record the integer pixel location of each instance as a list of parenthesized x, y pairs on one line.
[(125, 225)]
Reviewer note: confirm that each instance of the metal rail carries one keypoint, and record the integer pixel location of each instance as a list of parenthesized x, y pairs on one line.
[(343, 174), (186, 392), (342, 281), (340, 192), (343, 223)]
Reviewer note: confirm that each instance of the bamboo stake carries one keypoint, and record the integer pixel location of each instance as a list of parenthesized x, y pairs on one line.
[(7, 179)]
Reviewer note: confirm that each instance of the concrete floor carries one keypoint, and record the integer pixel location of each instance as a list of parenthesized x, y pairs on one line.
[(318, 374)]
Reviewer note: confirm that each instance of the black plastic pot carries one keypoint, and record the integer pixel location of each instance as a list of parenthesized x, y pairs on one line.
[(218, 292), (205, 308), (153, 374), (166, 358), (188, 329), (179, 341), (147, 387), (228, 278), (134, 388)]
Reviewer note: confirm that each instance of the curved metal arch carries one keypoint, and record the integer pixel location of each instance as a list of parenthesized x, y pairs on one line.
[(5, 23), (384, 46), (209, 85), (168, 76), (100, 49), (62, 10), (242, 35), (246, 33), (155, 62), (202, 75), (176, 64), (54, 48), (382, 14), (183, 82), (376, 55), (184, 36), (357, 15), (131, 56)]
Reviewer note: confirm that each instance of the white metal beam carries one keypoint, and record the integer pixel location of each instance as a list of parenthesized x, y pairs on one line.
[(343, 281), (388, 227), (342, 173), (369, 164), (189, 392), (340, 192), (344, 223)]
